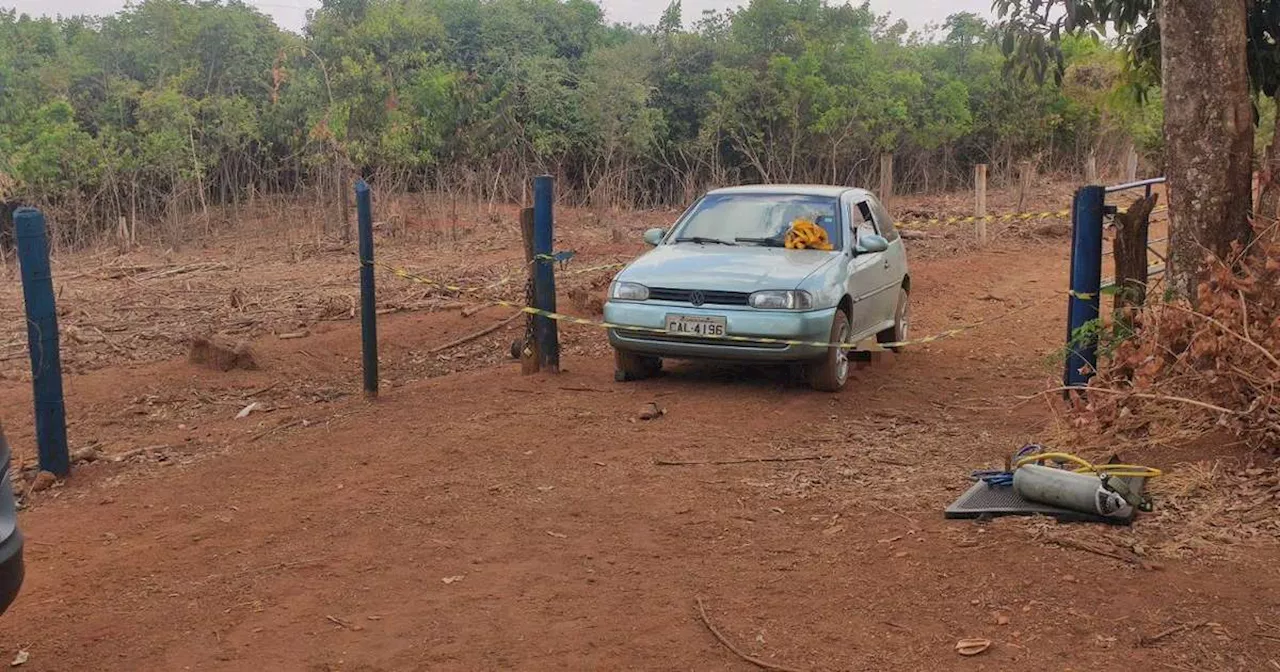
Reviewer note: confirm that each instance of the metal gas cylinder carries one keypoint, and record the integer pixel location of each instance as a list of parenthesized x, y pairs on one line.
[(1085, 493)]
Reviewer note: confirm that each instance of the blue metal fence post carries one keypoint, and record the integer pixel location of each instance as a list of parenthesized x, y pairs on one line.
[(544, 277), (368, 297), (1086, 282), (42, 341)]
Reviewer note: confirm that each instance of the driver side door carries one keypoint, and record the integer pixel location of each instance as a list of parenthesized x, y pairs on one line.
[(871, 277)]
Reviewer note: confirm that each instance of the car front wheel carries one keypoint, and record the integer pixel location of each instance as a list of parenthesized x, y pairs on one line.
[(629, 366), (830, 373), (901, 329)]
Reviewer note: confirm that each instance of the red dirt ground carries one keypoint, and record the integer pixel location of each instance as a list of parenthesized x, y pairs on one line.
[(472, 518)]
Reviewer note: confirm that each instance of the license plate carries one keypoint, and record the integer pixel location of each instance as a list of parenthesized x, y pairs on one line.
[(689, 325)]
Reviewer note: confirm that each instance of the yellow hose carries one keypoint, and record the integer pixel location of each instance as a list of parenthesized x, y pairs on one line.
[(1086, 467)]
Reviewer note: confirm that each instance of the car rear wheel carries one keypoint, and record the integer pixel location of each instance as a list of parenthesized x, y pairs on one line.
[(629, 366), (830, 373), (901, 329)]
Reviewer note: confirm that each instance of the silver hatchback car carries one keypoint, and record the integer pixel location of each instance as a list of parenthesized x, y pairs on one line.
[(776, 262)]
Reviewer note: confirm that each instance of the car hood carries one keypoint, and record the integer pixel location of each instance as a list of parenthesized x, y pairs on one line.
[(719, 267)]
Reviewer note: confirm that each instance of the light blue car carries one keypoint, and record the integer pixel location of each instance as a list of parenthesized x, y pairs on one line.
[(723, 274)]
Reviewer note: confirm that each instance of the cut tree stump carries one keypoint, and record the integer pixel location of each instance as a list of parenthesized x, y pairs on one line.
[(1130, 251), (221, 354), (1132, 227)]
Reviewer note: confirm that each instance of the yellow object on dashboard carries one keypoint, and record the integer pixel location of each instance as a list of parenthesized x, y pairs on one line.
[(805, 235)]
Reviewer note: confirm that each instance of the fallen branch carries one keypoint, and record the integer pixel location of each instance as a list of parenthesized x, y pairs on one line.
[(903, 516), (1154, 639), (702, 613), (1139, 395), (130, 454), (468, 312), (1096, 550), (183, 270), (339, 622), (273, 430), (1229, 330), (752, 460), (479, 334), (262, 390), (276, 567)]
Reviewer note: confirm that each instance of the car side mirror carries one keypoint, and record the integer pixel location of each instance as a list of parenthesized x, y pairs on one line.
[(871, 244), (654, 236)]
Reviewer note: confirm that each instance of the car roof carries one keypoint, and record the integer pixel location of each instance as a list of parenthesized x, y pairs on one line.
[(800, 189)]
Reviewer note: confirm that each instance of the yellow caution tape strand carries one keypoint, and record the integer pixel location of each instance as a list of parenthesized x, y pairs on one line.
[(504, 280), (593, 269), (759, 340)]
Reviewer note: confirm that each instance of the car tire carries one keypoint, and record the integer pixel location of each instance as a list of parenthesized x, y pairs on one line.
[(830, 373), (900, 331), (628, 366)]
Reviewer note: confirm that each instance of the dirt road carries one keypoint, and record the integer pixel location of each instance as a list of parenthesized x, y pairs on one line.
[(482, 520)]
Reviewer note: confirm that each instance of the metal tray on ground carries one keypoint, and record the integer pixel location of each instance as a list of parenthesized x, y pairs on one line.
[(985, 501)]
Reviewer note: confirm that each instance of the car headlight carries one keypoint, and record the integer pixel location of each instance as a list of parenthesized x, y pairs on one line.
[(629, 291), (782, 300)]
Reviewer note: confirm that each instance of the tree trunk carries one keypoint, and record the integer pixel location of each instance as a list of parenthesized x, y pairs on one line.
[(1208, 130), (1269, 199), (344, 188)]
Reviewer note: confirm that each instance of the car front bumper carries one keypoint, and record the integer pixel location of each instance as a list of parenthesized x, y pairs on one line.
[(814, 326)]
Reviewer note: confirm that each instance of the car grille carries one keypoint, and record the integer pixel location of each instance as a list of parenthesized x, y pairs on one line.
[(709, 297)]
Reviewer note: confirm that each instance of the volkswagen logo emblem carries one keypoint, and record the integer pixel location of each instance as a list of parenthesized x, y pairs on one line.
[(697, 298)]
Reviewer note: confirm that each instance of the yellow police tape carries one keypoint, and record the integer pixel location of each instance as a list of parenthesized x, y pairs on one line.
[(1011, 217), (761, 340), (505, 280)]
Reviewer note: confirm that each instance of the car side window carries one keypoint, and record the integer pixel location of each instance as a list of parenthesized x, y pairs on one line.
[(884, 222), (860, 223)]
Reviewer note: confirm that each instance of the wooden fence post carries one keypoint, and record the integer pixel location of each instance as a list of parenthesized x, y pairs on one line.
[(1091, 169), (1131, 165), (1025, 175), (886, 178), (980, 198)]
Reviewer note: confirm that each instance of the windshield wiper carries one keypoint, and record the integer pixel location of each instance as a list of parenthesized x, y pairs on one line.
[(704, 241), (768, 242)]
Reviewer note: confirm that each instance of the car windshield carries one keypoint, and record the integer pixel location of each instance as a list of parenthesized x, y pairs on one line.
[(762, 219)]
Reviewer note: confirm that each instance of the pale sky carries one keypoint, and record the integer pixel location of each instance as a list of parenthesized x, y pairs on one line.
[(292, 14)]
